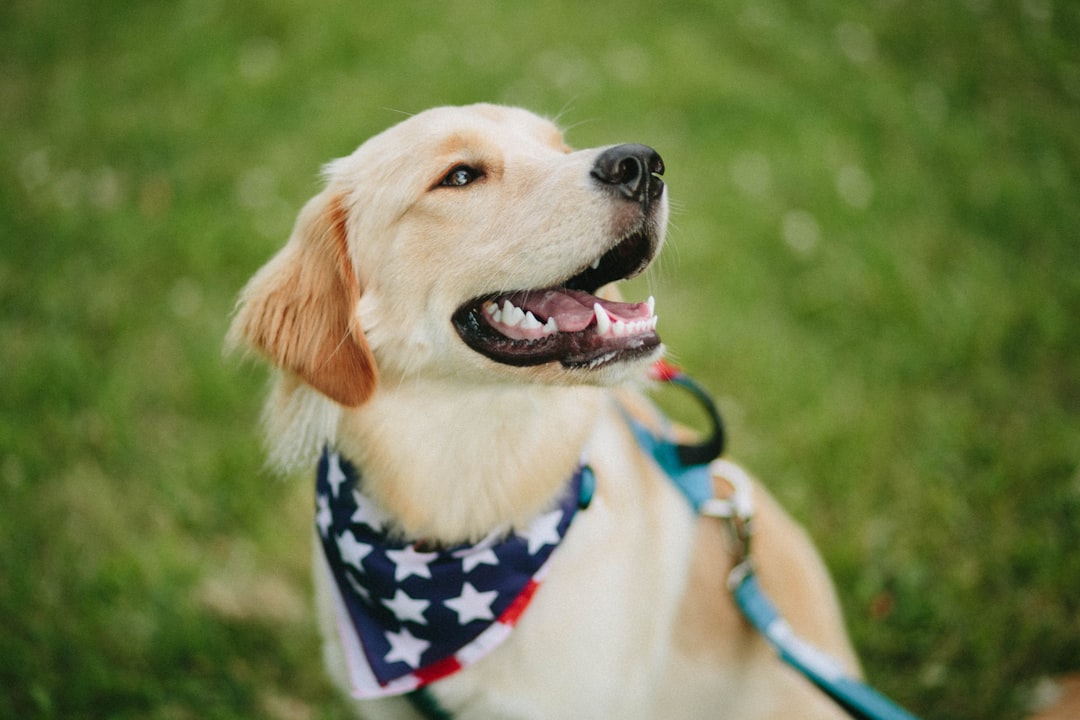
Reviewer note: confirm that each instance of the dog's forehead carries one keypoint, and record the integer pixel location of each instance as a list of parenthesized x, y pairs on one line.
[(449, 130), (407, 157)]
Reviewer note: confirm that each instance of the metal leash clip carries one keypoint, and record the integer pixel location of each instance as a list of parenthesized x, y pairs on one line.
[(736, 510)]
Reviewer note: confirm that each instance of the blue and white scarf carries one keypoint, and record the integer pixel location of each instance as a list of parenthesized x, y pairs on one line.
[(408, 615)]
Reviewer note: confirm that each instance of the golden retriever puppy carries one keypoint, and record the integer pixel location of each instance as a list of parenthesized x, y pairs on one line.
[(491, 539)]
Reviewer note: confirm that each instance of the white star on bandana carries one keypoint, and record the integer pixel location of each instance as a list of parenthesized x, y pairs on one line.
[(335, 476), (544, 530), (405, 648), (352, 550), (479, 554), (323, 517), (407, 608), (472, 604), (410, 561)]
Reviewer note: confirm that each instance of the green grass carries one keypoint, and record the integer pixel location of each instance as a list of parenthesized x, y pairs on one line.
[(874, 263)]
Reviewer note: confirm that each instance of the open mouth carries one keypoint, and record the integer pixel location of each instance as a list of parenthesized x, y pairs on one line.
[(566, 323)]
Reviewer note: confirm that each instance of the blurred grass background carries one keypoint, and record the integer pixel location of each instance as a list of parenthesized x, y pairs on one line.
[(874, 263)]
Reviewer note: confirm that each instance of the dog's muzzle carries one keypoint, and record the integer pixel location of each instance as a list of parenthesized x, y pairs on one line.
[(565, 322)]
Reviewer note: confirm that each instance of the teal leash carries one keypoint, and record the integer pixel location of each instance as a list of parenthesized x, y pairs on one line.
[(693, 474), (856, 697)]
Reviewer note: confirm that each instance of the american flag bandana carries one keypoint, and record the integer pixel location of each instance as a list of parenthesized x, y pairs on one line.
[(407, 615)]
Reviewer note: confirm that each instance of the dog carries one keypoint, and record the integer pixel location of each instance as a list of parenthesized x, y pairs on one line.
[(451, 350)]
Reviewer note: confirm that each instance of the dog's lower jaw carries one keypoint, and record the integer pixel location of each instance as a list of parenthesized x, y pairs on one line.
[(471, 462)]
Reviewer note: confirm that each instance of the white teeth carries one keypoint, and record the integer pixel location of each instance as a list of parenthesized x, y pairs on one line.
[(530, 322), (606, 325), (595, 264), (511, 315), (603, 320)]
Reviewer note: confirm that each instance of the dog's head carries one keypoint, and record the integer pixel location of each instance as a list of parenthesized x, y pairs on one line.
[(468, 243)]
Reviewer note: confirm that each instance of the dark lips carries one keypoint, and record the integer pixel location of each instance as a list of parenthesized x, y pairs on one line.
[(566, 323)]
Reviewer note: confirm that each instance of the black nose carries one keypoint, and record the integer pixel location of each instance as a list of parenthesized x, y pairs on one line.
[(632, 171)]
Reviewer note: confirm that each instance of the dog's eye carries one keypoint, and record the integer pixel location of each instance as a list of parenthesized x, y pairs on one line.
[(461, 176)]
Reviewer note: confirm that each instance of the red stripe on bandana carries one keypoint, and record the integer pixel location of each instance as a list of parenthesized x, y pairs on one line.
[(517, 608), (437, 670)]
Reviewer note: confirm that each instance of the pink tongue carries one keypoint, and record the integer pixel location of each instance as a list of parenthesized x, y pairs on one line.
[(573, 309)]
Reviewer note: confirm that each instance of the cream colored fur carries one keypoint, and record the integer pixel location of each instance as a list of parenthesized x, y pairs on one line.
[(633, 620)]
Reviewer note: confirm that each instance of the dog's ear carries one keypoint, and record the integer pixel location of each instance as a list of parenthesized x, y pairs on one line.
[(299, 310)]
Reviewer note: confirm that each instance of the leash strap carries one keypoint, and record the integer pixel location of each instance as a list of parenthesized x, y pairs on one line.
[(858, 699), (698, 481), (736, 510)]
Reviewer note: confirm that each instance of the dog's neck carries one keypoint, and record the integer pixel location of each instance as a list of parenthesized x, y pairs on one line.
[(452, 466)]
